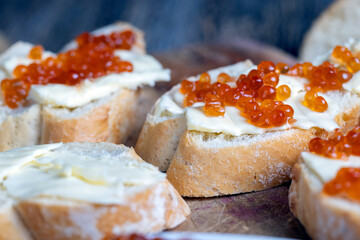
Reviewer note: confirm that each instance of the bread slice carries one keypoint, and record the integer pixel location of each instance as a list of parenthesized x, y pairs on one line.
[(20, 127), (111, 118), (334, 27), (205, 164), (12, 227), (323, 216), (132, 204)]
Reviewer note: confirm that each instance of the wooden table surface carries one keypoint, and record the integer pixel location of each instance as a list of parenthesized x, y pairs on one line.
[(263, 213)]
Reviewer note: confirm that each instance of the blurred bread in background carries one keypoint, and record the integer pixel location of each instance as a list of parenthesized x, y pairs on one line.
[(335, 26), (3, 42)]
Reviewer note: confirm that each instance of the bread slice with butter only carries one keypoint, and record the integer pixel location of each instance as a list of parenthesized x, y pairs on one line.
[(207, 157), (104, 109), (84, 191), (12, 227), (324, 217)]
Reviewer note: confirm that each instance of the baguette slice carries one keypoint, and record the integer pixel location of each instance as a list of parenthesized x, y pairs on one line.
[(20, 127), (49, 210), (111, 118), (12, 227), (324, 217), (334, 26), (204, 164)]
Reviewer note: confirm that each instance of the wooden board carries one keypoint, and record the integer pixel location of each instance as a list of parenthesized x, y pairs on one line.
[(263, 213)]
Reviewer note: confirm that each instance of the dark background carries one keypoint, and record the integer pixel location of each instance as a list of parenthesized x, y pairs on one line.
[(168, 24)]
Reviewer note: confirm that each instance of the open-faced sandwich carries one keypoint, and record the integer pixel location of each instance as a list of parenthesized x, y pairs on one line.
[(88, 92), (325, 190), (242, 127), (83, 191)]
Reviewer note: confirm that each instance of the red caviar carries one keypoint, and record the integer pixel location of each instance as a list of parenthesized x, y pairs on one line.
[(345, 184), (254, 94), (36, 52), (338, 146), (347, 59), (94, 57), (325, 77), (261, 85), (283, 92)]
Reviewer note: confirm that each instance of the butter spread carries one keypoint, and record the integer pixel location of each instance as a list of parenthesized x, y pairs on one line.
[(147, 70), (354, 46), (353, 84), (170, 105), (12, 160), (38, 171), (326, 168), (16, 55)]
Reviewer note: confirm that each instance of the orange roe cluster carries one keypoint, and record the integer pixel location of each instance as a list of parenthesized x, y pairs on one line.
[(345, 184), (338, 146), (94, 57), (346, 58), (323, 78), (256, 95)]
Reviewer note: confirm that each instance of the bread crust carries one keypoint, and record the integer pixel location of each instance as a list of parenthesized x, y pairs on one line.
[(152, 210), (158, 142), (21, 129), (200, 168), (322, 215), (112, 121), (146, 99), (11, 225)]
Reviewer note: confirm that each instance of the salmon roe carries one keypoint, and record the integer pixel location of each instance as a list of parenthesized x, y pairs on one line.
[(345, 184), (326, 77), (256, 95), (346, 58), (323, 78), (338, 146), (94, 57)]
